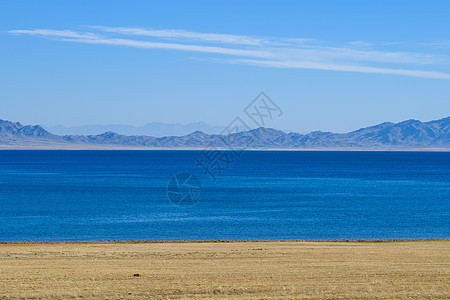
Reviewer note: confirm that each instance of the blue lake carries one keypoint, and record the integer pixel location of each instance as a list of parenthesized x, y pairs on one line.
[(122, 195)]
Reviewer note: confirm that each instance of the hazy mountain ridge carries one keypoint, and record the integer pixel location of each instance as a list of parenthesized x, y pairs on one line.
[(406, 134), (158, 129)]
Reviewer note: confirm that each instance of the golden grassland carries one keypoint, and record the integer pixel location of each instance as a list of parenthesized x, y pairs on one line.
[(244, 270)]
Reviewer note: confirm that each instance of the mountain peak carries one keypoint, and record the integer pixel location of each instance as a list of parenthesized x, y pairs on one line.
[(410, 121), (266, 130), (197, 133)]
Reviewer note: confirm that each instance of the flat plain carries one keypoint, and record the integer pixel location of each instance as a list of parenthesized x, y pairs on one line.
[(244, 270)]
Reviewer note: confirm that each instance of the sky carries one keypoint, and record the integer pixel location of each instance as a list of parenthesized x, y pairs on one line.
[(329, 65)]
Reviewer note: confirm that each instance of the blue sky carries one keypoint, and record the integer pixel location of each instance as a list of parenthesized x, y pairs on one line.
[(330, 65)]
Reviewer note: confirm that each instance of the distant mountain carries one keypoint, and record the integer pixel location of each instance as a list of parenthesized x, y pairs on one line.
[(16, 131), (404, 135), (157, 129)]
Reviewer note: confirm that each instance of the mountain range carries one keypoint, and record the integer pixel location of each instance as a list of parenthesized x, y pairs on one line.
[(157, 129), (410, 134)]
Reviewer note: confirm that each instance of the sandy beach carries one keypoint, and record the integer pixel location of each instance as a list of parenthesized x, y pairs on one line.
[(248, 270)]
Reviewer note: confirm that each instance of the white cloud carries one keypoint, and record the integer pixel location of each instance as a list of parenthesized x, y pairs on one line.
[(361, 44), (346, 68), (173, 46), (56, 33), (207, 37), (268, 52)]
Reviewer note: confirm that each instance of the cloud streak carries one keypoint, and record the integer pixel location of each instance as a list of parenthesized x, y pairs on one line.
[(346, 68), (357, 56), (182, 34)]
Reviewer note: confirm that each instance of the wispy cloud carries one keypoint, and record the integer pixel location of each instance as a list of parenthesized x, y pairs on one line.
[(356, 56), (346, 68), (56, 33), (182, 34)]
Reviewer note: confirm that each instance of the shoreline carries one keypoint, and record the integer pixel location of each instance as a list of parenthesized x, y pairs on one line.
[(226, 241)]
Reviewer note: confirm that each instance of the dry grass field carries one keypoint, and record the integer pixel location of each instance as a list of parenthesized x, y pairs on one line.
[(244, 270)]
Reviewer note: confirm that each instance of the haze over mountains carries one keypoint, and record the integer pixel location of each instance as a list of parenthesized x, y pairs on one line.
[(157, 129), (410, 134)]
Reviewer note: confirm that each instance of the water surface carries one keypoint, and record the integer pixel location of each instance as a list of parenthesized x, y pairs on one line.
[(122, 195)]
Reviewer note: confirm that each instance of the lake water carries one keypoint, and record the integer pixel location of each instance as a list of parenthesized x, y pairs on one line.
[(122, 195)]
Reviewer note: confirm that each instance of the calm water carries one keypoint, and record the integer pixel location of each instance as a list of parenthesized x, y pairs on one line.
[(121, 195)]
